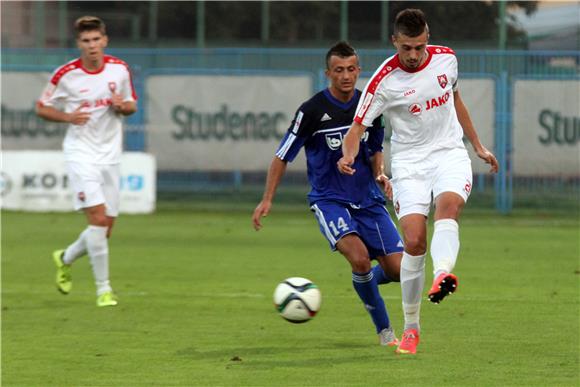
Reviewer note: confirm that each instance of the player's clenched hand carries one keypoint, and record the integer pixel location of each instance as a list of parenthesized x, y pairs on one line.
[(79, 117), (117, 102), (489, 158), (344, 165), (261, 210), (386, 185)]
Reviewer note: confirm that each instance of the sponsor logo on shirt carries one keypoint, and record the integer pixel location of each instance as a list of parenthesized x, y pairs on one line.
[(334, 140), (297, 122), (436, 102), (325, 117), (442, 79), (415, 109)]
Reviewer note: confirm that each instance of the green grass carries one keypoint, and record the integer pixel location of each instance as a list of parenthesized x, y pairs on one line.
[(195, 307)]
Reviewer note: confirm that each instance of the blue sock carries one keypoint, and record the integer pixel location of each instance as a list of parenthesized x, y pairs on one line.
[(380, 276), (368, 291)]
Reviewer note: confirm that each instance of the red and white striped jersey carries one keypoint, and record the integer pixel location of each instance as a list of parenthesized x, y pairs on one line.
[(71, 86), (418, 103)]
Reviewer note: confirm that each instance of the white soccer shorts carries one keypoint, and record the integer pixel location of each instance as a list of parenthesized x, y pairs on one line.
[(95, 184), (416, 183)]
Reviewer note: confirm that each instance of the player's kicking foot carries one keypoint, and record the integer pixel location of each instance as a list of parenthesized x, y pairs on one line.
[(443, 285), (63, 273), (107, 299), (409, 342), (387, 337)]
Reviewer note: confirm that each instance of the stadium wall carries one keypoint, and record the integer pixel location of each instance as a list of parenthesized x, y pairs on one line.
[(213, 117)]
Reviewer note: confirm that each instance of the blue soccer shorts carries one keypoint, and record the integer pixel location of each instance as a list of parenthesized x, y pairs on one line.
[(372, 224)]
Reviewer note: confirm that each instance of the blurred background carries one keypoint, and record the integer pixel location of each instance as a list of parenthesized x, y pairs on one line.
[(219, 82)]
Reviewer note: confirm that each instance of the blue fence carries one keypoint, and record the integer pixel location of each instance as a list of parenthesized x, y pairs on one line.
[(503, 66)]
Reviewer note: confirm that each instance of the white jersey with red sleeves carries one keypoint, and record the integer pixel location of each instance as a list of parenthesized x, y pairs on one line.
[(418, 103), (71, 86)]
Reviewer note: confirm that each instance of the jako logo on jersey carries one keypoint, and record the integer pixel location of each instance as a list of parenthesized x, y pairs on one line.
[(436, 102), (442, 80), (363, 109), (415, 109)]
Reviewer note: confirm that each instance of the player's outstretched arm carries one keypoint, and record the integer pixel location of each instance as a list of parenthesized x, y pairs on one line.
[(350, 148), (275, 173), (471, 134)]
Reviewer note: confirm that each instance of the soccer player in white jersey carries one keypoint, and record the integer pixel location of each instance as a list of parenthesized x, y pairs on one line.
[(92, 93), (417, 90)]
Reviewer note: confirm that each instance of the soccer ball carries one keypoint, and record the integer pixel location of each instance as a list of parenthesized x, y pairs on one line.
[(297, 299)]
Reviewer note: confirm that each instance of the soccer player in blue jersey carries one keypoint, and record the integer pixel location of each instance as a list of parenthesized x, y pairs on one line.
[(350, 209)]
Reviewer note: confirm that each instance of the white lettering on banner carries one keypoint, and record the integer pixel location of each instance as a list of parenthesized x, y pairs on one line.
[(237, 122), (546, 127), (37, 181), (479, 97)]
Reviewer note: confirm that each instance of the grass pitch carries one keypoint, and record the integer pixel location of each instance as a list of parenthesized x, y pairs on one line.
[(195, 309)]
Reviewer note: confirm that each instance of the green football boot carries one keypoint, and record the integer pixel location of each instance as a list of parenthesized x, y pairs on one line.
[(107, 299), (63, 273)]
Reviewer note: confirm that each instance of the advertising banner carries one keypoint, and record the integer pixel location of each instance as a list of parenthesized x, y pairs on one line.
[(221, 122), (21, 128), (37, 181), (546, 128)]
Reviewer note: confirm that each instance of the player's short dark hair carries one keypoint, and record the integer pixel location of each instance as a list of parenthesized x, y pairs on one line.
[(90, 23), (341, 49), (410, 22)]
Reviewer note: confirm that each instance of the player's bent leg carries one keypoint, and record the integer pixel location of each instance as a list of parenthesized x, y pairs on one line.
[(363, 281), (445, 245), (391, 267)]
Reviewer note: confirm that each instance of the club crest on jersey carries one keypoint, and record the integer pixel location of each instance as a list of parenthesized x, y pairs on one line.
[(112, 86), (415, 109), (334, 140), (442, 79)]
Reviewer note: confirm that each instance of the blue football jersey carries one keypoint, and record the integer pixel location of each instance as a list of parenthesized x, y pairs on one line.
[(320, 125)]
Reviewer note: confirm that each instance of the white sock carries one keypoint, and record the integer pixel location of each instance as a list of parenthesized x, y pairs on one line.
[(445, 246), (98, 248), (412, 282), (76, 249)]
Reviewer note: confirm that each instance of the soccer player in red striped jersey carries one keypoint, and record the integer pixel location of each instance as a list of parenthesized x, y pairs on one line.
[(92, 94), (417, 90)]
